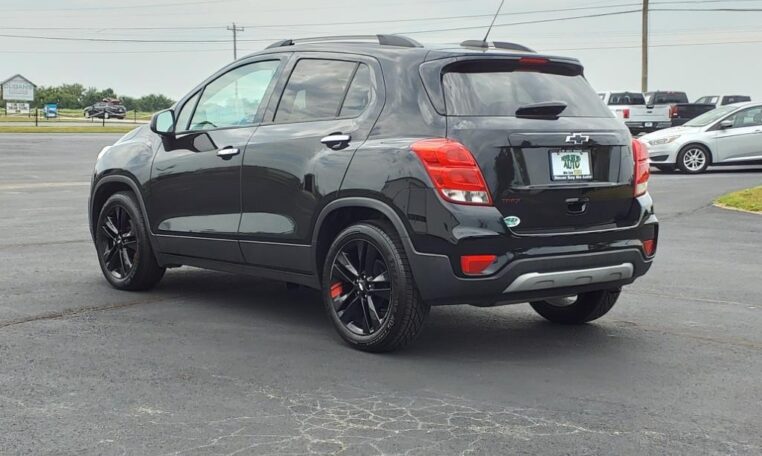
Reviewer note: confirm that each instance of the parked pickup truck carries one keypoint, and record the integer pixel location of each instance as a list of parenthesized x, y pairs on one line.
[(722, 100), (631, 108), (680, 110)]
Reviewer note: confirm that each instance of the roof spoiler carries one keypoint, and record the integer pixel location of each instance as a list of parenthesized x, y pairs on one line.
[(480, 44)]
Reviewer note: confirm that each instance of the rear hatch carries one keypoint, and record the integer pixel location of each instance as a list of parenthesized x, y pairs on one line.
[(631, 107), (553, 155)]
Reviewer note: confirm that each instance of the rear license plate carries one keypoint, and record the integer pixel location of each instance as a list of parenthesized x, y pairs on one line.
[(648, 124), (570, 164)]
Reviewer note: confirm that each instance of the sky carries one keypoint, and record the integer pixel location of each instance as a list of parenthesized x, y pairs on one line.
[(699, 52)]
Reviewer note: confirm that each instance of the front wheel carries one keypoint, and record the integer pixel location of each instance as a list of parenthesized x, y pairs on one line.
[(124, 249), (693, 159), (574, 310), (368, 289)]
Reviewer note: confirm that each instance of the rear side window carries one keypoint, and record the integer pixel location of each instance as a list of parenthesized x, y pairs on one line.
[(499, 89), (626, 98), (315, 90), (359, 93)]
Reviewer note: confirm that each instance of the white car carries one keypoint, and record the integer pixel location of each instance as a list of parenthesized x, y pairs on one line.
[(728, 135)]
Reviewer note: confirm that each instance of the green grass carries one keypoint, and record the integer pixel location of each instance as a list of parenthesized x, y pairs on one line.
[(68, 129), (70, 115), (748, 200)]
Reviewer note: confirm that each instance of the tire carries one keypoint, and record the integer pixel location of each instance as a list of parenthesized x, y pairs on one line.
[(372, 300), (694, 159), (124, 250), (584, 308)]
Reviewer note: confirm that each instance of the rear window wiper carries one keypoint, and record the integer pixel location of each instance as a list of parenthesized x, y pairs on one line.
[(544, 110)]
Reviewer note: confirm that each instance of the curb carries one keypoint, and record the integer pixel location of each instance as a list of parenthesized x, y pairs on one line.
[(731, 208)]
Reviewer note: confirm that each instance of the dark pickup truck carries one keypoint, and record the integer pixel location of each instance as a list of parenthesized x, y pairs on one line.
[(680, 110)]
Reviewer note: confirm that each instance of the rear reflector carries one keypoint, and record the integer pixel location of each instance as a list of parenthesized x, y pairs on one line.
[(453, 171), (642, 168), (336, 289), (649, 247), (476, 264)]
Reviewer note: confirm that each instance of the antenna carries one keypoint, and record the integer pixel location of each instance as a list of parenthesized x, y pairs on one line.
[(493, 20)]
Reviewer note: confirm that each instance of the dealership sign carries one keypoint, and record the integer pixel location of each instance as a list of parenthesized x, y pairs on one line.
[(13, 107), (18, 88)]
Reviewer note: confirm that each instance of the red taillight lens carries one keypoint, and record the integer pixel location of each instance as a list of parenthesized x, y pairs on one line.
[(673, 111), (476, 264), (649, 247), (626, 113), (642, 168), (453, 171)]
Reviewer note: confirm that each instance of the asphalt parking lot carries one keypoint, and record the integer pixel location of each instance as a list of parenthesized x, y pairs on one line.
[(213, 363)]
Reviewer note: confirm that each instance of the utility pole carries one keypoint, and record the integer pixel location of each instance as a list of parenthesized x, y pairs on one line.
[(644, 50), (235, 31)]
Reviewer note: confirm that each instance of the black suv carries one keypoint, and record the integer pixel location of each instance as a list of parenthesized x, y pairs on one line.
[(391, 177)]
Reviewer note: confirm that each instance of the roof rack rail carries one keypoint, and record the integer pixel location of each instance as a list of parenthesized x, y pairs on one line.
[(384, 40), (496, 44)]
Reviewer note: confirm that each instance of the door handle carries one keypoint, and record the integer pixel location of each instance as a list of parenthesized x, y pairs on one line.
[(336, 141), (227, 153)]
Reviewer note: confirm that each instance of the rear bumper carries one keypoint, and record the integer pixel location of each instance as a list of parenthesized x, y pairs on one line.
[(647, 127), (530, 278)]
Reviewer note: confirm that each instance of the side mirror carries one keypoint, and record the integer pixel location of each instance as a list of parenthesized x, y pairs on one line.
[(163, 123), (725, 124)]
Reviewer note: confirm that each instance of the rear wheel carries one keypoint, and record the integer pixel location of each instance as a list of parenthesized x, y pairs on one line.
[(693, 159), (578, 309), (368, 289), (124, 250)]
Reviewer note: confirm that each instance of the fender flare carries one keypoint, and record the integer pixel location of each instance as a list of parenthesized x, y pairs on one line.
[(122, 179), (370, 203)]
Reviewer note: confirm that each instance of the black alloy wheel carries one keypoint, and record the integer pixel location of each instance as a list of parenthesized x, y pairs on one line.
[(119, 245), (360, 287), (123, 246)]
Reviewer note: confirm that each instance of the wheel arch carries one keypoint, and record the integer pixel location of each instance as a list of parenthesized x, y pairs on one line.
[(107, 186), (341, 213)]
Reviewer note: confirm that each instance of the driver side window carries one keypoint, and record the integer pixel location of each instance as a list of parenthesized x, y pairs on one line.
[(234, 98), (748, 118)]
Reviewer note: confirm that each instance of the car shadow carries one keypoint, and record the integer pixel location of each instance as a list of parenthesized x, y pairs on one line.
[(749, 169), (512, 332)]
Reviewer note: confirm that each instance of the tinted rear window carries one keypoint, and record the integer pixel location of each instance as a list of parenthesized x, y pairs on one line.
[(499, 89), (669, 97), (627, 98)]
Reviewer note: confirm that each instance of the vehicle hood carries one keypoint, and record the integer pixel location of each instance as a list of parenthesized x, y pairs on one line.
[(672, 131)]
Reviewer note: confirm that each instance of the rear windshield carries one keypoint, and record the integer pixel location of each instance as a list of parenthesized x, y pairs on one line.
[(668, 98), (481, 89), (626, 98)]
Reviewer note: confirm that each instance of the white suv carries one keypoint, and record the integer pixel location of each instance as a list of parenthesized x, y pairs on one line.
[(728, 135)]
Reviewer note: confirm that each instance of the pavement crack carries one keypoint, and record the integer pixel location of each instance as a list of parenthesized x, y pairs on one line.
[(73, 312)]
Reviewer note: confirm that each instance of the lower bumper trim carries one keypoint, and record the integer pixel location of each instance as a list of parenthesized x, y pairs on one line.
[(544, 280)]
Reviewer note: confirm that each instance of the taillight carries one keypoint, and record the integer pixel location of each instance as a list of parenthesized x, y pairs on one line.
[(626, 113), (642, 168), (673, 110), (453, 170)]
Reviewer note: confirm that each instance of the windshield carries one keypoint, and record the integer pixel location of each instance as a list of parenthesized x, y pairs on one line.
[(484, 90), (709, 100), (709, 117)]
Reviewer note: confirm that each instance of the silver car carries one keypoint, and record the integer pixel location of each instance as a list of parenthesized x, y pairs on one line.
[(728, 135)]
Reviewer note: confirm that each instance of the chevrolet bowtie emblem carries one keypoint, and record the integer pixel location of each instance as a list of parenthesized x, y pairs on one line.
[(577, 138)]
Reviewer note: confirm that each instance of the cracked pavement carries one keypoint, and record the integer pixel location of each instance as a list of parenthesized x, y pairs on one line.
[(213, 363)]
